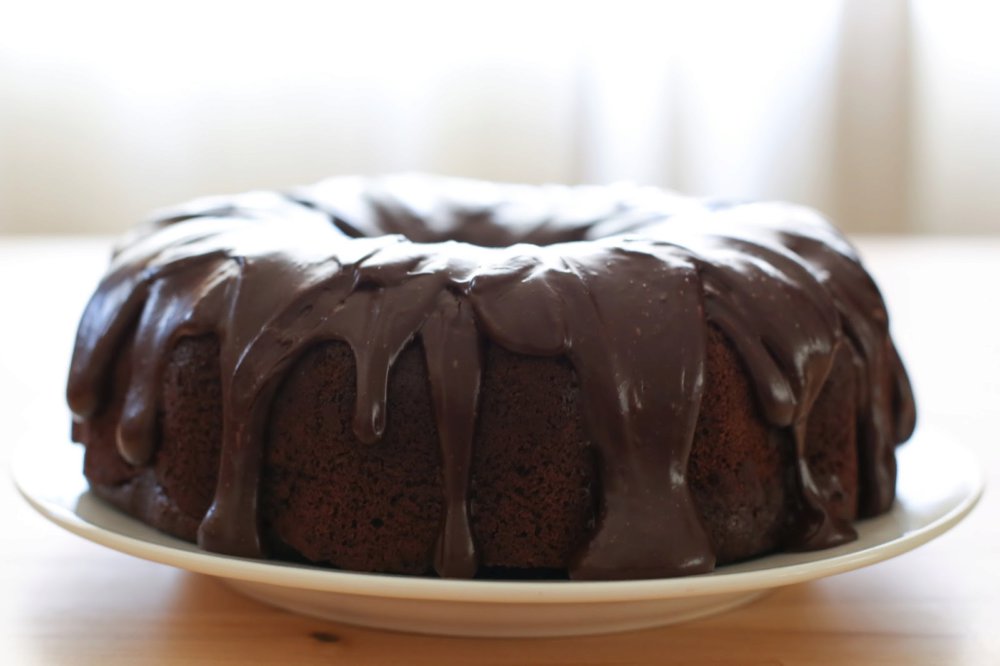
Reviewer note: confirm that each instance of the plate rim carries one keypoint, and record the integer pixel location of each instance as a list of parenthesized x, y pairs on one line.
[(291, 575)]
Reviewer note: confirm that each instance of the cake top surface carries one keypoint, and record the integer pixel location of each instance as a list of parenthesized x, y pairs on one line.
[(621, 280)]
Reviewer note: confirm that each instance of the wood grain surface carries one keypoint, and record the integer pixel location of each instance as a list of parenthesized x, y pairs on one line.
[(67, 601)]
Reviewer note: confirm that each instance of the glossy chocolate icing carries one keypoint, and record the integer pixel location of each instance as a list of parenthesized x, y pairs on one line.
[(623, 281)]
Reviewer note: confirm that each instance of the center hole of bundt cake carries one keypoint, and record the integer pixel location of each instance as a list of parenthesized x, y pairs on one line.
[(483, 228)]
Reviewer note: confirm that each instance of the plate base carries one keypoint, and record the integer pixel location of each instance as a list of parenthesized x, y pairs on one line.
[(939, 483), (497, 620)]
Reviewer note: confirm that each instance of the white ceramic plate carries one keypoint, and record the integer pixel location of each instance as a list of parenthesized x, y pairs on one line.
[(940, 482)]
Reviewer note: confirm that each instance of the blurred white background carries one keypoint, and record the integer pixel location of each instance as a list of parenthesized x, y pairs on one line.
[(882, 114)]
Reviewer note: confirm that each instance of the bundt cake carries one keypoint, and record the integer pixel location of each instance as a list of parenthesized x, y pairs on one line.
[(435, 376)]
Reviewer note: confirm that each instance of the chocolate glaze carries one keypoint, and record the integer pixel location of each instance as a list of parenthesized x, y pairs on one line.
[(622, 281)]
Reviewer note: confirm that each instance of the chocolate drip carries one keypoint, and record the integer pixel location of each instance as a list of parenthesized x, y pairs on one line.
[(454, 366), (190, 303), (886, 413), (641, 369), (780, 318), (903, 405), (271, 275)]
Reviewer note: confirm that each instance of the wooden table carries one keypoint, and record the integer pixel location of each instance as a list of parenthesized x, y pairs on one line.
[(67, 601)]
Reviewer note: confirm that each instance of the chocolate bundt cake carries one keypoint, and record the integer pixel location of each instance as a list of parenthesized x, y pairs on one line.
[(425, 375)]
